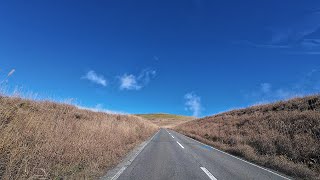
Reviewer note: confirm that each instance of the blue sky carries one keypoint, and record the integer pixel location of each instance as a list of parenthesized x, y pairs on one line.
[(192, 57)]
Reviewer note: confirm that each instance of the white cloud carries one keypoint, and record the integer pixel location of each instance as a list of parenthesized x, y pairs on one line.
[(265, 87), (100, 108), (133, 82), (306, 85), (95, 78), (146, 75), (265, 94), (193, 104), (129, 82)]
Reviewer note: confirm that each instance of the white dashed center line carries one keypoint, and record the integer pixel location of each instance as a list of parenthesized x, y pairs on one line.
[(180, 145), (208, 173)]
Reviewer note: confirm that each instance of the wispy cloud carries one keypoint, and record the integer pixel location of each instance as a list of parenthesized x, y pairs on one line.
[(262, 45), (297, 31), (297, 36), (95, 78), (100, 108), (136, 82), (146, 75), (265, 87), (129, 82), (310, 43), (193, 104), (156, 58), (11, 72), (308, 84)]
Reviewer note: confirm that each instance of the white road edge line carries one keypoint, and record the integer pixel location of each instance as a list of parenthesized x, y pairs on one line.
[(238, 158), (131, 160), (118, 173), (205, 170), (172, 136), (180, 145)]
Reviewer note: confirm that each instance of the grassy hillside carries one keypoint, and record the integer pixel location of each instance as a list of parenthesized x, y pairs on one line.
[(45, 140), (166, 120), (284, 136)]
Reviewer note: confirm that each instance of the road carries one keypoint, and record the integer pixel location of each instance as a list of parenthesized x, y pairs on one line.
[(170, 155)]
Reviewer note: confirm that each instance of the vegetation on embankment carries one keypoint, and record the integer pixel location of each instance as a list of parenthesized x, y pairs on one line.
[(166, 120), (284, 136), (46, 140)]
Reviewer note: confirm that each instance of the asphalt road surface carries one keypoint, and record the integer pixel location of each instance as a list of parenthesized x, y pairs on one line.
[(170, 155)]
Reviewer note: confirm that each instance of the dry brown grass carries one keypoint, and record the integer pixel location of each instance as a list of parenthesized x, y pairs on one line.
[(45, 140), (166, 120), (284, 136)]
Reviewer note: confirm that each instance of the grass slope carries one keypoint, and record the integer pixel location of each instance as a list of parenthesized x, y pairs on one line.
[(45, 140), (284, 135), (166, 120)]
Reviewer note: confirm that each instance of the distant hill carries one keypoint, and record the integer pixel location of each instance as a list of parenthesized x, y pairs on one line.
[(284, 135), (166, 120)]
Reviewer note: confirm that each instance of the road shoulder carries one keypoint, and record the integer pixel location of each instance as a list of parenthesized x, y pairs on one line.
[(114, 173)]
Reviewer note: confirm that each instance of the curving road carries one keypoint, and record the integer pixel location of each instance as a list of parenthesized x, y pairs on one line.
[(170, 155)]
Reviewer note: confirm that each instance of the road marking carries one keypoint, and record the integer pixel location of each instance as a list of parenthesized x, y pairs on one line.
[(132, 159), (170, 134), (205, 170), (118, 173), (180, 145), (168, 131), (239, 158)]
